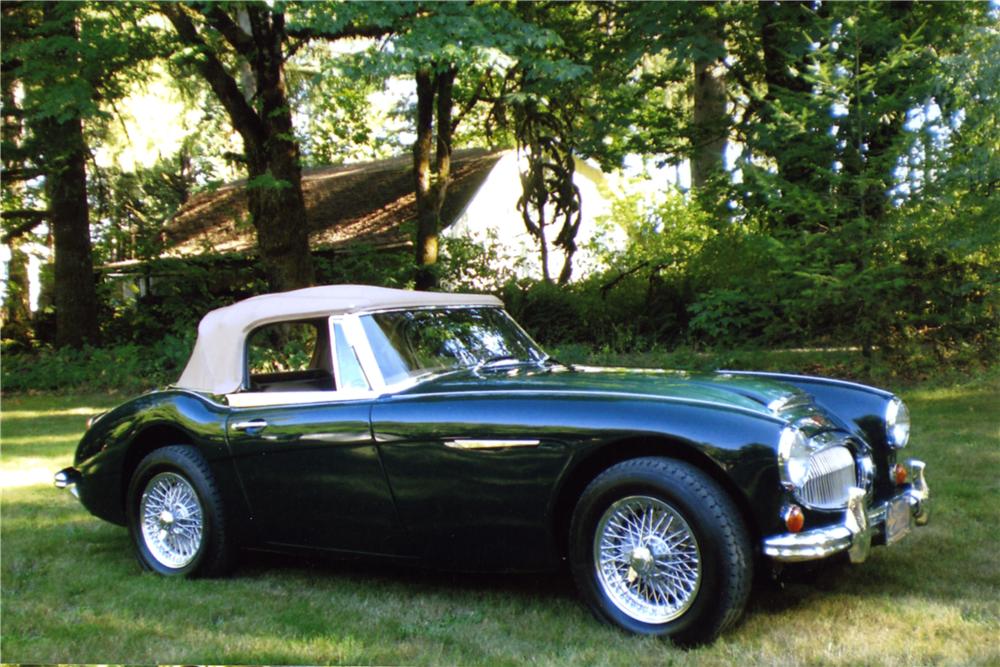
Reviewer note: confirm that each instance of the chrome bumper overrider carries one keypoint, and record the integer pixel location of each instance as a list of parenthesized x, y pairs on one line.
[(67, 479), (853, 534)]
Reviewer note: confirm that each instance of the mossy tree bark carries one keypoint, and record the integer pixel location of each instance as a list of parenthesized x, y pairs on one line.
[(434, 99), (274, 186)]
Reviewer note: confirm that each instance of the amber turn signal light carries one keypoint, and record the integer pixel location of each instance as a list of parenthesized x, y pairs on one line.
[(794, 518), (899, 474)]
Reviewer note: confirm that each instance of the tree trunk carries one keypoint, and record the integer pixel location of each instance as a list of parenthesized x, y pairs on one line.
[(274, 190), (276, 204), (278, 211), (426, 246), (433, 92), (710, 123), (65, 154), (66, 186), (16, 311)]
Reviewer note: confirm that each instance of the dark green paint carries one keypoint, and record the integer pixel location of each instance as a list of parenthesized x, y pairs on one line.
[(376, 476)]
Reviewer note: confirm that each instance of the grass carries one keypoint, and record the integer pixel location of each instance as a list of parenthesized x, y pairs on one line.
[(72, 591)]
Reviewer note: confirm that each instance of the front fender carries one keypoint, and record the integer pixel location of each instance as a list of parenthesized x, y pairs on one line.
[(860, 407)]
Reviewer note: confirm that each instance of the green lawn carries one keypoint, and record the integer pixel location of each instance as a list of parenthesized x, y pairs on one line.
[(72, 591)]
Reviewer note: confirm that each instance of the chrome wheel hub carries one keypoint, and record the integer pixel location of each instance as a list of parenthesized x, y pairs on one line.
[(172, 520), (647, 559), (641, 560)]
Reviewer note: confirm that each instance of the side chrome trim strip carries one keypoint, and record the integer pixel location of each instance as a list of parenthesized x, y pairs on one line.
[(465, 443)]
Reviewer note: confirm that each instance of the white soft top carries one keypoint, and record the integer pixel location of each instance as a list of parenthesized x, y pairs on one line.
[(216, 363)]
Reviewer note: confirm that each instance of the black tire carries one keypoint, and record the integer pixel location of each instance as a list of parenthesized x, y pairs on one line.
[(194, 543), (710, 557)]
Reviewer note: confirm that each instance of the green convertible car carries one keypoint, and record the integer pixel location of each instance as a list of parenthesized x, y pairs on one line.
[(429, 428)]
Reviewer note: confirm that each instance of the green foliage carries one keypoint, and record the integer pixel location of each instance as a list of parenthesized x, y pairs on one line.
[(280, 348), (130, 208), (128, 368), (861, 209), (267, 181), (364, 264)]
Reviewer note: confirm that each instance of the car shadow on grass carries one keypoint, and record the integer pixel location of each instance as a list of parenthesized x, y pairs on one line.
[(557, 584)]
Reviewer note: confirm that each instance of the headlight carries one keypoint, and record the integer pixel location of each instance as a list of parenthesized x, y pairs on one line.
[(819, 471), (897, 423), (793, 457)]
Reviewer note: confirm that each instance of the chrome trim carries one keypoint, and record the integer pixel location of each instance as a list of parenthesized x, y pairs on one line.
[(251, 426), (647, 560), (172, 520), (865, 470), (919, 494), (809, 545), (856, 521), (67, 478), (357, 338), (856, 530), (785, 441), (369, 362), (331, 332), (818, 445), (789, 402), (468, 443), (853, 533)]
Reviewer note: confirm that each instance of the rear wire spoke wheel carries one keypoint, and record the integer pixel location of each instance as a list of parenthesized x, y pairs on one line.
[(175, 515), (173, 525), (657, 547)]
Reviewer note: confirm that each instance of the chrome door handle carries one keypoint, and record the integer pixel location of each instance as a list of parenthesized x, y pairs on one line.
[(468, 443), (252, 426)]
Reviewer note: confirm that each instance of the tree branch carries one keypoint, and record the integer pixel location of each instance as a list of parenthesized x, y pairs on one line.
[(243, 117), (234, 34), (33, 218), (476, 97), (347, 32), (20, 174)]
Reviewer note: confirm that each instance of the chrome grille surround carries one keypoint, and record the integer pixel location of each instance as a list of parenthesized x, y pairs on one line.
[(831, 474)]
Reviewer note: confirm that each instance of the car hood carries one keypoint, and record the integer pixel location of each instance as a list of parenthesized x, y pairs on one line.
[(760, 395)]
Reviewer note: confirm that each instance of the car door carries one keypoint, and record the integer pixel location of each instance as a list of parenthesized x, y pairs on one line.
[(473, 477), (307, 458)]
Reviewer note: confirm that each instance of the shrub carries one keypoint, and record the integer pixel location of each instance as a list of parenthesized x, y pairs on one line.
[(128, 367)]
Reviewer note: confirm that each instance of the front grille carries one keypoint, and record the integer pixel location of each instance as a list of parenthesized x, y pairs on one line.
[(830, 478)]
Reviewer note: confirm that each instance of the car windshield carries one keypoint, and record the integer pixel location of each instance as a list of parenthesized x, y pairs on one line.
[(410, 343)]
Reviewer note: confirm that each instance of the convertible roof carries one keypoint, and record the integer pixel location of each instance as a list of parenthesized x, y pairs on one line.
[(216, 363)]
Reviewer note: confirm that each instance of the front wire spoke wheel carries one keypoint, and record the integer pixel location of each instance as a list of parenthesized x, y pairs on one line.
[(647, 559), (173, 525)]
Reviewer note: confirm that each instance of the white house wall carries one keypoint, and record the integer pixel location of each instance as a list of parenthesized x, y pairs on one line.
[(38, 255), (491, 217)]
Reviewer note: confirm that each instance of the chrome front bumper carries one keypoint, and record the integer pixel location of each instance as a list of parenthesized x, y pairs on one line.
[(67, 479), (860, 523)]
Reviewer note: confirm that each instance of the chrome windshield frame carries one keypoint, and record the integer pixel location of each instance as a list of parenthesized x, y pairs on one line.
[(358, 339)]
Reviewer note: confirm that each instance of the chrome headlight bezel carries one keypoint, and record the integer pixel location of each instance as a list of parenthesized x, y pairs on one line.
[(799, 453), (897, 423), (793, 447)]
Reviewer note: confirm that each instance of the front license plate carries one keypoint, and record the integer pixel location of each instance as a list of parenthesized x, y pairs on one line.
[(897, 520)]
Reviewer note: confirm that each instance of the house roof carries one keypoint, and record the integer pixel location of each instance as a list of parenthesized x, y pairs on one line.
[(356, 202), (216, 363)]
